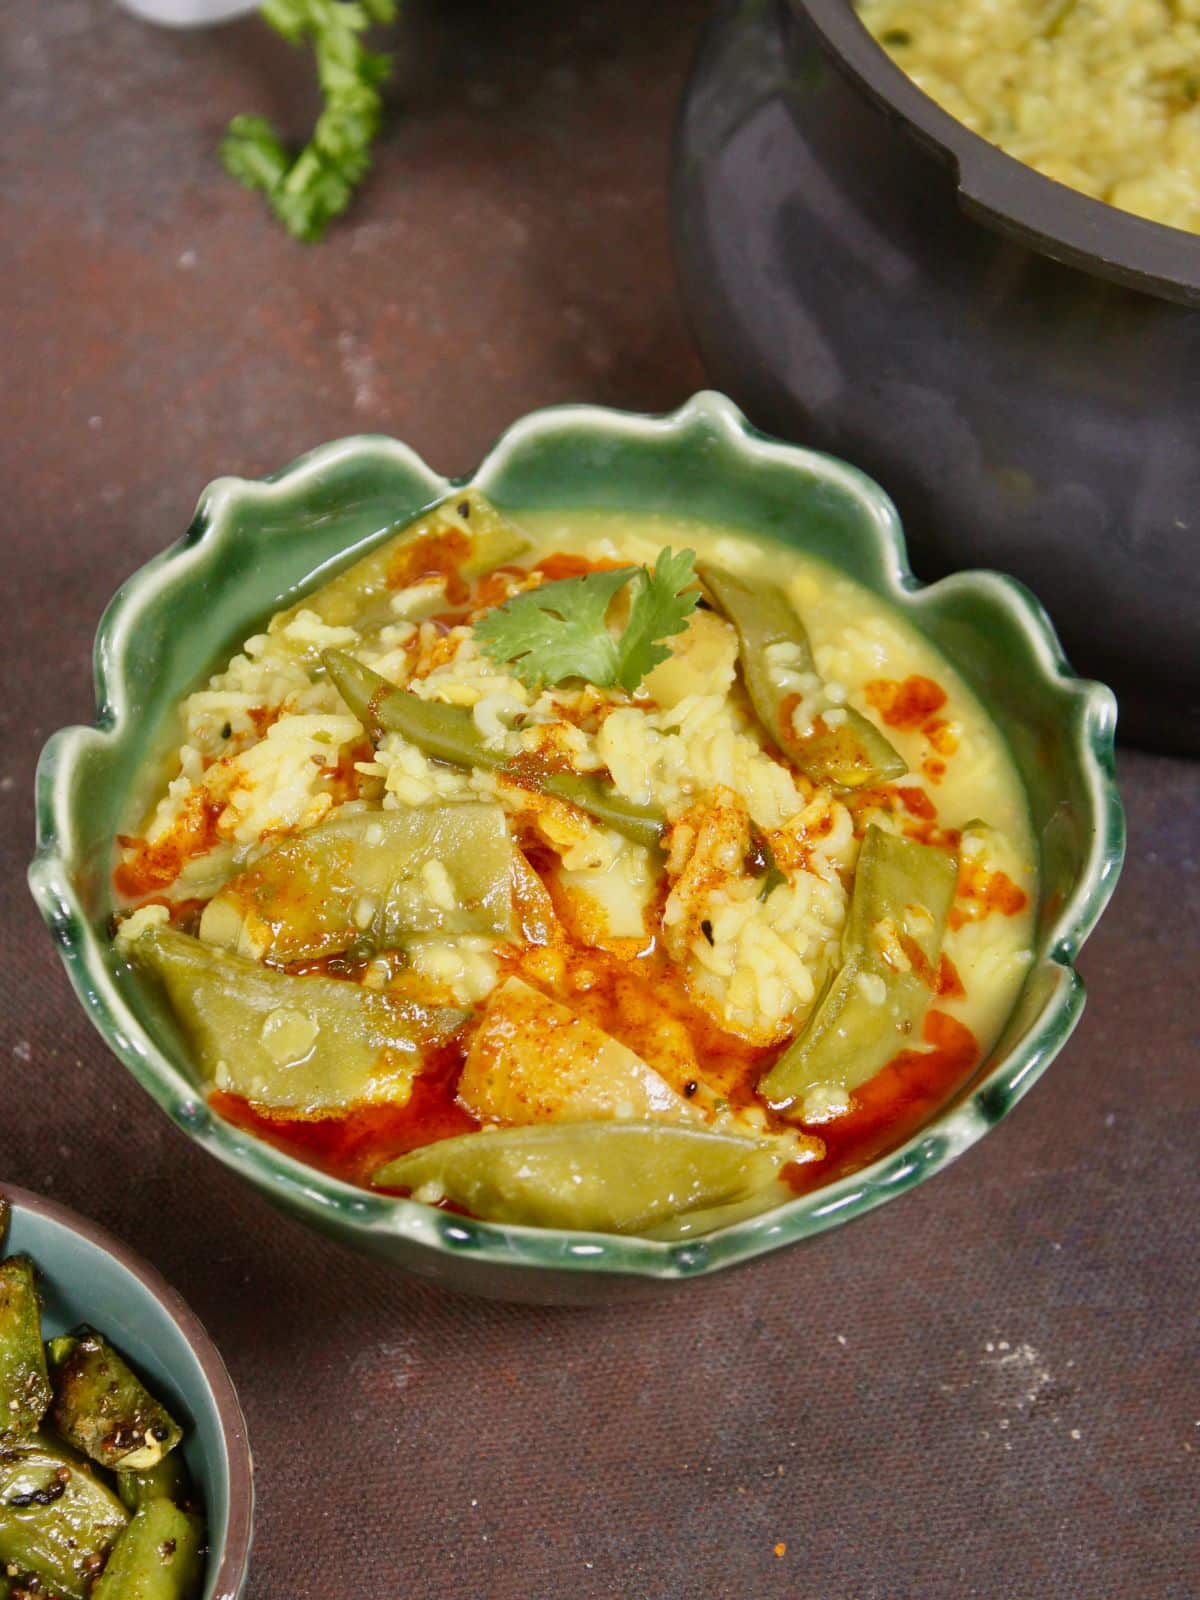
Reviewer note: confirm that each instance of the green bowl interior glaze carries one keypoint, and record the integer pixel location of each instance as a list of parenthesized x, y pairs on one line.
[(87, 1276), (255, 545)]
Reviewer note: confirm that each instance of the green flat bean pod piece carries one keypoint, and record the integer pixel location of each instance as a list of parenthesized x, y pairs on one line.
[(361, 595), (104, 1409), (307, 1046), (448, 733), (693, 1224), (877, 998), (57, 1520), (366, 877), (167, 1480), (849, 755), (643, 824), (24, 1384), (604, 1177), (159, 1556)]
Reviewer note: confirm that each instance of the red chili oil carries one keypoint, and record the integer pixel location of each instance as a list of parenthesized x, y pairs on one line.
[(434, 555), (981, 892), (151, 867), (566, 564), (905, 704), (355, 1146), (639, 1002), (893, 1105), (896, 1103)]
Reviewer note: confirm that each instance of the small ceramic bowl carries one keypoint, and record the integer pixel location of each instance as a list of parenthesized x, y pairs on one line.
[(88, 1276), (255, 546)]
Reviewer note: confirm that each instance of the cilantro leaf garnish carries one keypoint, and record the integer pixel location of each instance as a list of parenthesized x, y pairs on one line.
[(557, 631), (659, 609), (560, 631), (307, 191)]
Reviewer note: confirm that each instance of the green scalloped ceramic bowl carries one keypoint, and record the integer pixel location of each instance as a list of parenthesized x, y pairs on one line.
[(254, 546)]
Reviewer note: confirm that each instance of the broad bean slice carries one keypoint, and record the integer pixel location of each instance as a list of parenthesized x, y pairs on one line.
[(448, 733), (847, 755), (307, 1046), (643, 824), (890, 950), (604, 1177), (366, 876)]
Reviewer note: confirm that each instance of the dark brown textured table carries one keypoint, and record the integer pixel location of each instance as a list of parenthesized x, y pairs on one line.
[(987, 1389)]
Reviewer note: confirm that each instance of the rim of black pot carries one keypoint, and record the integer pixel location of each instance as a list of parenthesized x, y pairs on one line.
[(1003, 192)]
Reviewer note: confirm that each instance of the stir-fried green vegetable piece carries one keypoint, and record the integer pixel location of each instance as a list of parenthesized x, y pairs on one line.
[(309, 1046), (104, 1409), (370, 878), (57, 1520), (606, 1177), (361, 595), (24, 1385), (848, 751), (159, 1556), (890, 949), (167, 1480), (448, 733)]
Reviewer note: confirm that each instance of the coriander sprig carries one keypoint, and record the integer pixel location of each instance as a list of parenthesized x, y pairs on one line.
[(560, 630), (306, 192)]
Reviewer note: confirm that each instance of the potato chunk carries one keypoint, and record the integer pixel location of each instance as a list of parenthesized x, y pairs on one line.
[(534, 1060), (701, 661)]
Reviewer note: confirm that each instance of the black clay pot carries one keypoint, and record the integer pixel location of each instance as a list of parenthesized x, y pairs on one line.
[(1018, 365)]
